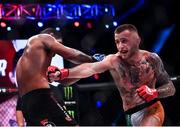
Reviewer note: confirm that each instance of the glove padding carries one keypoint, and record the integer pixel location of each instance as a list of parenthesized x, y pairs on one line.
[(147, 93), (52, 69), (52, 73), (56, 74), (98, 57)]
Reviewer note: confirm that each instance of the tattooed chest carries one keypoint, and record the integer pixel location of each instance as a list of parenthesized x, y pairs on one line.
[(141, 72)]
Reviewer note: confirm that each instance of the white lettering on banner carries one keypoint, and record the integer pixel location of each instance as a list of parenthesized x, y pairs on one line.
[(3, 65)]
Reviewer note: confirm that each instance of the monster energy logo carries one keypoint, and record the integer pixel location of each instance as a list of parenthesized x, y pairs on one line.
[(68, 92), (71, 113)]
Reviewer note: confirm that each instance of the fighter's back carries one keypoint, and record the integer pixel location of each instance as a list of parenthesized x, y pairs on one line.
[(31, 67)]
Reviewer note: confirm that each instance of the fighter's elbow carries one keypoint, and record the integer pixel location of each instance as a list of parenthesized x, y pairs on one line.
[(172, 89)]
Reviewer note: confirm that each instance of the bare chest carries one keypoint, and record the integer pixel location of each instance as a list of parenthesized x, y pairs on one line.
[(136, 74)]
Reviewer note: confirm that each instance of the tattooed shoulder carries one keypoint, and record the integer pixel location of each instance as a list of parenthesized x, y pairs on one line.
[(161, 74)]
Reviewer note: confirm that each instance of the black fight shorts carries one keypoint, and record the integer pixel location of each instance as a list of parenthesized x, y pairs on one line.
[(41, 108)]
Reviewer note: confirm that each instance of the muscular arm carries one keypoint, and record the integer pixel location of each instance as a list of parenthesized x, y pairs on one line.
[(73, 55), (88, 69), (68, 53), (166, 85), (19, 114), (20, 118)]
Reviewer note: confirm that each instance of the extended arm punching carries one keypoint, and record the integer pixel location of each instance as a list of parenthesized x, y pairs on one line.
[(81, 71), (56, 74)]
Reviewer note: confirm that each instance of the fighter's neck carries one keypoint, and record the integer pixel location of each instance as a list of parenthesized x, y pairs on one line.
[(134, 58)]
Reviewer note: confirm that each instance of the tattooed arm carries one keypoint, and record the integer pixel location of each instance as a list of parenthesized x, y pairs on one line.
[(166, 87)]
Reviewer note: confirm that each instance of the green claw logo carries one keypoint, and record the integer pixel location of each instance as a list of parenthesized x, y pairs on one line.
[(68, 92), (71, 113)]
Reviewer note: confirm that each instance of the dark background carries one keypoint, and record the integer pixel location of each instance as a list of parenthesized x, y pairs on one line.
[(151, 17)]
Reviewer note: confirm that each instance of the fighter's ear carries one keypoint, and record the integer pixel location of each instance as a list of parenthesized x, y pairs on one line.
[(139, 39), (59, 40), (52, 34)]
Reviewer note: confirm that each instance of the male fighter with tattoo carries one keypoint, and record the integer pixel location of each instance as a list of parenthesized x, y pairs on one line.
[(39, 106), (138, 74)]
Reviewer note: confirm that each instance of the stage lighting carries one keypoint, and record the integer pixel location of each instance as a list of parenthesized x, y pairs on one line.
[(40, 24), (58, 28), (98, 103), (106, 9), (89, 25), (114, 23), (76, 24), (96, 76), (8, 28), (107, 26), (49, 9), (3, 24)]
